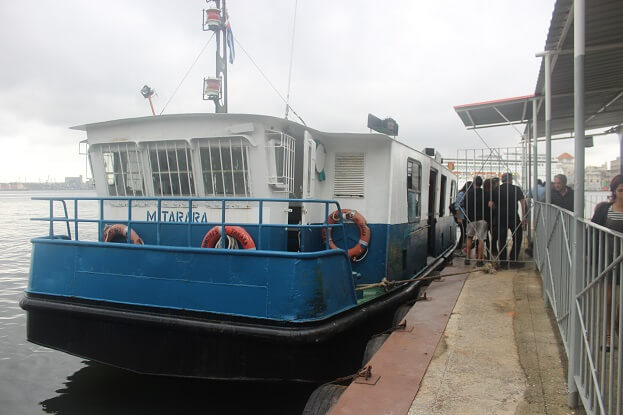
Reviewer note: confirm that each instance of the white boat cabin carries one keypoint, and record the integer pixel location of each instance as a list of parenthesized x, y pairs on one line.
[(253, 156)]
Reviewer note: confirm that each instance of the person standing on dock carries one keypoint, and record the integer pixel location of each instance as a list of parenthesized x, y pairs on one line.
[(539, 194), (562, 195), (459, 207), (610, 215), (476, 226), (505, 199), (491, 217)]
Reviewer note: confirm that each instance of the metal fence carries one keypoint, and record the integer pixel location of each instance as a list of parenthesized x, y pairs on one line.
[(595, 359)]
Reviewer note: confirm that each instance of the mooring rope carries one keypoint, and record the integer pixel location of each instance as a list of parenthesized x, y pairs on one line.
[(385, 283)]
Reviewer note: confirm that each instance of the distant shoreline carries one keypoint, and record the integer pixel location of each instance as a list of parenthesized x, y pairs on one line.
[(25, 187)]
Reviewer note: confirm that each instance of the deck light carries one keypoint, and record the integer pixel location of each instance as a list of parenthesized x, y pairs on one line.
[(212, 19), (147, 93), (212, 88)]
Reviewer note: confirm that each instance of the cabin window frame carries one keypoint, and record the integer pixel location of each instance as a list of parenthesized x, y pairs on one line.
[(443, 188), (453, 192), (171, 166), (127, 171), (414, 190), (217, 153), (281, 161)]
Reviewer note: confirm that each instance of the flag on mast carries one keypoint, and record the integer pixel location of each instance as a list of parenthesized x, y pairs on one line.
[(230, 41)]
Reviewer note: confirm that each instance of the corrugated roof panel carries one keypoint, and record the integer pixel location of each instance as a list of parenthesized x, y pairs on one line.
[(498, 112), (603, 73), (603, 77)]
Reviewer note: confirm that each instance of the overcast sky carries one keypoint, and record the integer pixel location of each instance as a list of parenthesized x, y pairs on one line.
[(67, 63)]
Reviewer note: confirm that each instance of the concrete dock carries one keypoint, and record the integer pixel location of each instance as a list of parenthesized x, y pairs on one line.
[(482, 343)]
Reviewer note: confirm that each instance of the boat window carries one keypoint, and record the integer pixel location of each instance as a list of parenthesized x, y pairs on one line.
[(280, 148), (453, 191), (171, 168), (349, 175), (442, 196), (310, 171), (225, 166), (414, 189), (123, 169)]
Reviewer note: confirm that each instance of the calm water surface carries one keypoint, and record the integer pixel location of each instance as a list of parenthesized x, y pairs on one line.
[(37, 380)]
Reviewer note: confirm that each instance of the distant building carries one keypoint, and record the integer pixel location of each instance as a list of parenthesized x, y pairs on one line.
[(12, 186), (73, 182), (615, 166), (70, 183), (567, 163), (595, 177)]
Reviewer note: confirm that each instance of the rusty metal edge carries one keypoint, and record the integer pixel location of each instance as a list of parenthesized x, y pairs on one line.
[(402, 361)]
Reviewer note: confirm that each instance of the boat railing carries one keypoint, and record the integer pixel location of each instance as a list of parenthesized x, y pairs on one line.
[(131, 223)]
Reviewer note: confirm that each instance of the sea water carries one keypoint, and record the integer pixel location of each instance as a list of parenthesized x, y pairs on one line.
[(38, 380)]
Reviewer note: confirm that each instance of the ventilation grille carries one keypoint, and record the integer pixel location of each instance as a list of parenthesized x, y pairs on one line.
[(349, 175)]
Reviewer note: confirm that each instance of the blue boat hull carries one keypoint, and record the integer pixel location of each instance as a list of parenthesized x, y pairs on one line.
[(169, 307)]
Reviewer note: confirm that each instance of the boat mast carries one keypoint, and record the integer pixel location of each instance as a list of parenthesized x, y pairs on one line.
[(215, 88)]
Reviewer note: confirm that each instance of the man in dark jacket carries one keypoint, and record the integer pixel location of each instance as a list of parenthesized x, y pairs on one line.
[(562, 195), (505, 198)]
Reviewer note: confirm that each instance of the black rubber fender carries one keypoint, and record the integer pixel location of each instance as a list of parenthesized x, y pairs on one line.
[(400, 314), (373, 346), (323, 398)]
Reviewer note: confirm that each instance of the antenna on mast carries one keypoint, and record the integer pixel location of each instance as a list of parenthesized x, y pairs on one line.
[(291, 56), (215, 88)]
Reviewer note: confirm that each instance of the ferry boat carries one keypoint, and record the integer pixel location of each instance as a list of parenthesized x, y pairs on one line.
[(317, 227)]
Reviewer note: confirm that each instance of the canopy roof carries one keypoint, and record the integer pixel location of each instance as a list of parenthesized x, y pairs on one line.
[(603, 74), (494, 113), (603, 63)]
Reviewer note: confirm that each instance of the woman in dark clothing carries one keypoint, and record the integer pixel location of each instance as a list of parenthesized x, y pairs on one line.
[(610, 215), (459, 206)]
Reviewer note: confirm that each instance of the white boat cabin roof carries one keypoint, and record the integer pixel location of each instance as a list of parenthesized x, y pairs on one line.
[(205, 125)]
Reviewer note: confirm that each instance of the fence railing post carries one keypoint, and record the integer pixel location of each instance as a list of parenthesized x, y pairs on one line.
[(545, 279), (575, 330)]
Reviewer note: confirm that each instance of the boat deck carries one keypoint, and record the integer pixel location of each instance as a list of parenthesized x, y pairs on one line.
[(481, 343)]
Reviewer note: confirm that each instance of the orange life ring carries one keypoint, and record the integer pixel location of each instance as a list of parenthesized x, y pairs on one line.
[(119, 233), (244, 239), (357, 252)]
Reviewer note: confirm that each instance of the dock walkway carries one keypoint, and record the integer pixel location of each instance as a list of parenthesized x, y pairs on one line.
[(494, 350)]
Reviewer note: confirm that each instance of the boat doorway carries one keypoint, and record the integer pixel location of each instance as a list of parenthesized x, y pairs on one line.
[(432, 197)]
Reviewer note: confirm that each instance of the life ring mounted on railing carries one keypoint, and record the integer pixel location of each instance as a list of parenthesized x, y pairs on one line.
[(359, 251), (119, 233), (238, 233)]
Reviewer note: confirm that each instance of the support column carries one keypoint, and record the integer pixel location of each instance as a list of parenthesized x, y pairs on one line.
[(620, 134), (528, 171), (535, 176), (548, 128), (575, 332)]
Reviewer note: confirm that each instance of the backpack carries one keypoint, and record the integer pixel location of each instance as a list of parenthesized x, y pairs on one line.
[(452, 209)]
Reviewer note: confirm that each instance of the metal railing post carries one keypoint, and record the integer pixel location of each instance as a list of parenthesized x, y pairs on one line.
[(190, 221), (578, 235), (260, 222), (548, 128)]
